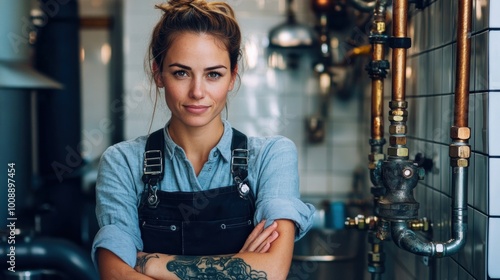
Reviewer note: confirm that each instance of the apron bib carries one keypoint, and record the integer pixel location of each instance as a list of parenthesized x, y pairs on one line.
[(211, 222)]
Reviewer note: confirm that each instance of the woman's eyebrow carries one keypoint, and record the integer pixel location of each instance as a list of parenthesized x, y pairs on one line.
[(180, 66), (215, 67), (189, 68)]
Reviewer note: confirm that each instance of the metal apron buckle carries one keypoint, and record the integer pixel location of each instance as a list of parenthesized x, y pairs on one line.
[(153, 200)]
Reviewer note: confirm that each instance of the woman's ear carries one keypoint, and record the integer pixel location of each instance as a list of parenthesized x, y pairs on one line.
[(157, 75), (234, 75)]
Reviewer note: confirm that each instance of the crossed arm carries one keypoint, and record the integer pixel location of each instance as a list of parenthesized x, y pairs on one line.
[(267, 254)]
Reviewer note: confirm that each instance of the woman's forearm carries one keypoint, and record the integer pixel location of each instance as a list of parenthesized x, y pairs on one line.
[(273, 264), (111, 267)]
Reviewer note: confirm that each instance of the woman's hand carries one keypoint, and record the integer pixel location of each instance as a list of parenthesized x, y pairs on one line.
[(259, 241)]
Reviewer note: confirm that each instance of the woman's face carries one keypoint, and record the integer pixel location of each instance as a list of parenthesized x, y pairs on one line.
[(197, 77)]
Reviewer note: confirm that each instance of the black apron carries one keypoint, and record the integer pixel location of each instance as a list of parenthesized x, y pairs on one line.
[(212, 222)]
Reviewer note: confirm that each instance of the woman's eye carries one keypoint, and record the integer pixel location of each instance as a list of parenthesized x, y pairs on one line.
[(180, 73), (214, 75)]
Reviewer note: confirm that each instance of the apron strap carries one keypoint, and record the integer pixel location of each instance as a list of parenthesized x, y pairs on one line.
[(153, 170), (153, 158), (239, 156)]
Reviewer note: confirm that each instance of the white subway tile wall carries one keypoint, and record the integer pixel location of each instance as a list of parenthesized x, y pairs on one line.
[(272, 101), (430, 94)]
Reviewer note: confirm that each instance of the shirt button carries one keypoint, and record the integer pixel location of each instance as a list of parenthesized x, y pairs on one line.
[(216, 153)]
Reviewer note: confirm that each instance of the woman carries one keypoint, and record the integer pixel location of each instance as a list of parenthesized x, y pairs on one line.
[(198, 199)]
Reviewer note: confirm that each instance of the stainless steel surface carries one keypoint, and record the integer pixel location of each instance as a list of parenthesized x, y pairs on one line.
[(16, 71), (21, 75), (324, 253), (291, 34)]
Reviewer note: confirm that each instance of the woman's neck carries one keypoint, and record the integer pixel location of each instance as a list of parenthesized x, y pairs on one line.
[(197, 142)]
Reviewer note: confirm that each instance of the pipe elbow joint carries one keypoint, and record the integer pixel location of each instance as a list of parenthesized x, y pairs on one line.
[(447, 249), (408, 240), (364, 5)]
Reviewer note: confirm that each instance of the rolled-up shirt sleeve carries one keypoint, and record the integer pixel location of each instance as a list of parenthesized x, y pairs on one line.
[(277, 178), (117, 202), (291, 209)]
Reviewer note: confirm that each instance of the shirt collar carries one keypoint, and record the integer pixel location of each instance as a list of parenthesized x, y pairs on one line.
[(223, 147)]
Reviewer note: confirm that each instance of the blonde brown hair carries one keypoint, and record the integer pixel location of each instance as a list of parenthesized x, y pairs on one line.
[(198, 16)]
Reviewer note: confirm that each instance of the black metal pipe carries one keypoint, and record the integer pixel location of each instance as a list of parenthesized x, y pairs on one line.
[(408, 240), (57, 55), (51, 253), (363, 5)]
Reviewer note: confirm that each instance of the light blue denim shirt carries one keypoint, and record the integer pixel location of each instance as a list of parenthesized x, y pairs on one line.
[(273, 177)]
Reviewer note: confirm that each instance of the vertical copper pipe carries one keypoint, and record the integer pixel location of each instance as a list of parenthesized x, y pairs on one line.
[(378, 53), (377, 108), (400, 10), (463, 64), (377, 127)]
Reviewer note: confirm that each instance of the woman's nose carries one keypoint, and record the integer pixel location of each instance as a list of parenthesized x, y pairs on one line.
[(197, 89)]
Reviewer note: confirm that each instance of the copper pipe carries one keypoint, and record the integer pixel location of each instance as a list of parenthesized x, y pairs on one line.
[(400, 19), (377, 108), (377, 97), (402, 235), (463, 64)]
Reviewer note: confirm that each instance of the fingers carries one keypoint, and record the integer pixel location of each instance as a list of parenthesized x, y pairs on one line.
[(255, 232), (257, 240), (264, 247)]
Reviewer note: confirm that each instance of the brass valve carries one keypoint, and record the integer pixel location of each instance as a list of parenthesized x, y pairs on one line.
[(361, 222)]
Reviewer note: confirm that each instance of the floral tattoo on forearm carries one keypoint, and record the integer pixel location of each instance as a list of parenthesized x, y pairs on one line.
[(142, 260), (220, 268)]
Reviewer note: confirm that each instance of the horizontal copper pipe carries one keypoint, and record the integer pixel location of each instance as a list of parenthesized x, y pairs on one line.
[(461, 116)]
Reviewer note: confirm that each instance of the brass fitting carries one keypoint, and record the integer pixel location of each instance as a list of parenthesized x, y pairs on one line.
[(397, 129), (361, 222), (374, 158), (394, 140), (358, 222), (399, 112), (397, 118), (398, 104), (375, 257), (460, 133), (420, 224), (380, 27), (459, 162), (397, 152), (459, 151)]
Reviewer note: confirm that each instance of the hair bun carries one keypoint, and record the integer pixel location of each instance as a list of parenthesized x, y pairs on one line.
[(181, 4)]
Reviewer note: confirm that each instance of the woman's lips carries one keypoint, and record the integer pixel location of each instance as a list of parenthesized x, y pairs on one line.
[(196, 109)]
